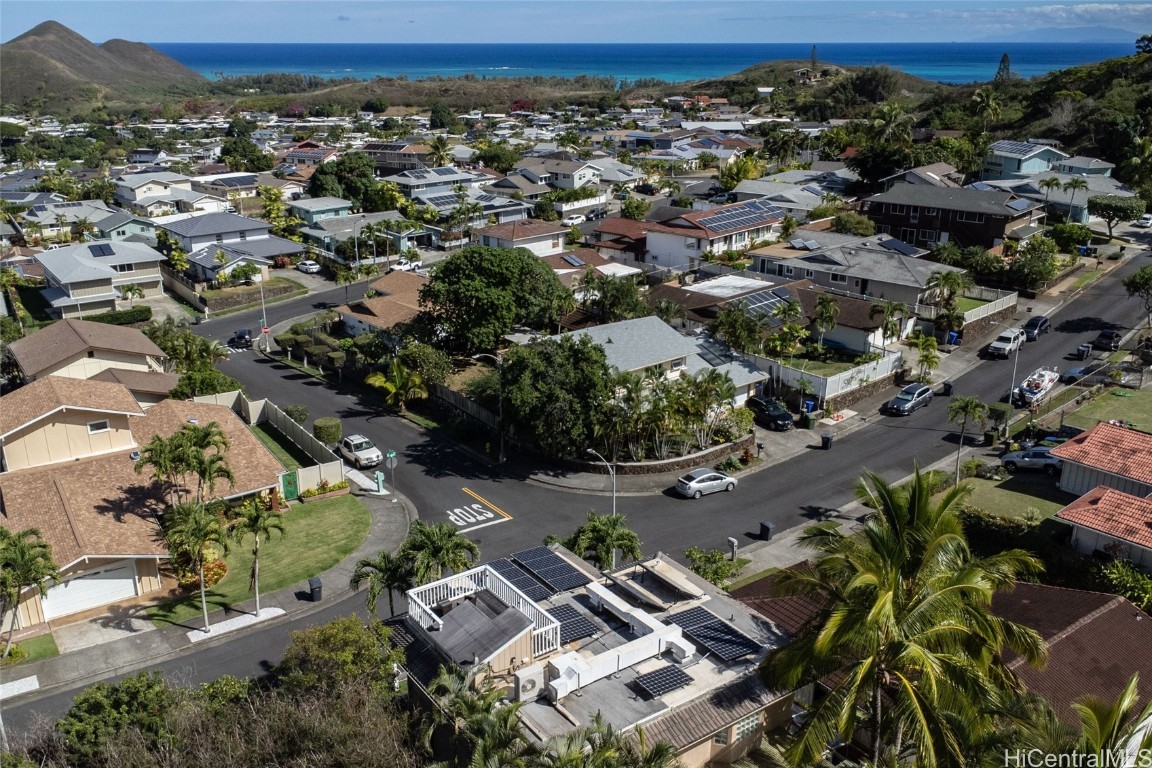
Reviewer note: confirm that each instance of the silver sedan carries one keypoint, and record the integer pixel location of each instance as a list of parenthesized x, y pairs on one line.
[(701, 481)]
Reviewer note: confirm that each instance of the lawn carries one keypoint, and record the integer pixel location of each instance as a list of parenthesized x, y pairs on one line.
[(1124, 404), (37, 648), (316, 537), (965, 304), (272, 282), (288, 453), (1085, 279), (1013, 497)]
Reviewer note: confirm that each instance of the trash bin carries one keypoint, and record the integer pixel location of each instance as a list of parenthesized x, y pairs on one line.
[(766, 530), (946, 389), (826, 441), (316, 588), (953, 337), (1083, 351), (809, 406)]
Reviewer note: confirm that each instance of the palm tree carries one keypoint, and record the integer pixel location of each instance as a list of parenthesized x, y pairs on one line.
[(669, 311), (209, 467), (400, 385), (81, 228), (1073, 186), (345, 277), (948, 285), (259, 521), (1111, 727), (891, 124), (190, 529), (1138, 166), (433, 548), (131, 291), (1047, 185), (25, 561), (927, 355), (905, 630), (165, 458), (602, 535), (439, 152), (463, 700), (387, 573), (987, 106), (825, 314), (961, 410), (892, 318), (637, 753)]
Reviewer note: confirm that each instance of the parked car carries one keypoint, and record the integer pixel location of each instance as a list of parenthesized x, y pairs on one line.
[(1102, 373), (770, 413), (359, 451), (723, 198), (623, 195), (701, 481), (1144, 221), (241, 339), (1109, 340), (573, 219), (1085, 374), (1033, 458), (910, 398), (404, 265), (308, 267), (596, 213), (647, 189), (1036, 325), (1006, 343)]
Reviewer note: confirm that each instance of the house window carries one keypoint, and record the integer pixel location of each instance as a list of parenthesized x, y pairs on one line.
[(808, 273), (748, 726), (690, 243), (908, 235), (555, 242), (897, 209), (677, 364), (96, 427), (928, 235), (971, 218), (928, 211), (838, 278), (788, 271), (721, 737), (884, 229), (219, 238), (243, 235)]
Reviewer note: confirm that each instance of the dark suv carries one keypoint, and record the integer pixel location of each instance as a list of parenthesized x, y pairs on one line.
[(242, 339), (1035, 326), (770, 413), (1109, 340)]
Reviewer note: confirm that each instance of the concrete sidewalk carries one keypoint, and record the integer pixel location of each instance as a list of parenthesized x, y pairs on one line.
[(120, 641)]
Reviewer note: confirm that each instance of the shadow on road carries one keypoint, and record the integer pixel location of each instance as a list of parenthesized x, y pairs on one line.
[(1085, 324)]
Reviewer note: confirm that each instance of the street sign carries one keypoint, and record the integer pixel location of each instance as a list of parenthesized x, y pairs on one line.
[(390, 454), (265, 330), (390, 461)]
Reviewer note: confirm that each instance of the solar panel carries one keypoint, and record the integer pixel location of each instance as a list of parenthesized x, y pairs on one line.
[(663, 680), (1020, 204), (761, 301), (980, 186), (812, 245), (716, 637), (815, 190), (573, 624), (520, 579), (899, 246), (536, 553), (693, 617), (575, 261), (797, 243), (444, 171), (100, 249), (550, 568)]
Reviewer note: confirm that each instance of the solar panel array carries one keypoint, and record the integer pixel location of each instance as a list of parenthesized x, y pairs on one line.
[(573, 624), (1015, 147), (719, 639), (100, 249), (663, 680), (442, 201), (980, 186), (1020, 204), (741, 216), (550, 568), (575, 261), (901, 247), (520, 579), (444, 171)]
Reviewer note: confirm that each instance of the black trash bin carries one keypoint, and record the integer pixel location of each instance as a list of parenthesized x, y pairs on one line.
[(766, 530), (316, 588), (826, 441), (946, 389)]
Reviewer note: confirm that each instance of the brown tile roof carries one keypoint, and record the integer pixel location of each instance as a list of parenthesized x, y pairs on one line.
[(1095, 643), (790, 613), (253, 465), (854, 313), (151, 382), (1112, 513), (52, 393), (401, 286), (67, 338), (1116, 450), (519, 230), (399, 302), (630, 228), (703, 717)]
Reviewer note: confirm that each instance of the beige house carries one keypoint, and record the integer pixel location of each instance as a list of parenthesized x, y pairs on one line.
[(543, 238), (70, 448), (79, 349), (86, 278)]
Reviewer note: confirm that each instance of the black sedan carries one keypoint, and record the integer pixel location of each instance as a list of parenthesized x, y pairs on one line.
[(1035, 326), (770, 413)]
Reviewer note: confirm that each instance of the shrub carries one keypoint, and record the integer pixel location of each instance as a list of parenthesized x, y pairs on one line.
[(327, 430), (204, 382), (298, 413), (323, 488), (433, 365), (730, 464), (141, 314), (979, 521), (15, 656), (713, 565), (1068, 236)]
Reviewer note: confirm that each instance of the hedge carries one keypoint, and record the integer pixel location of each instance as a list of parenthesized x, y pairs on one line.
[(327, 430), (141, 314)]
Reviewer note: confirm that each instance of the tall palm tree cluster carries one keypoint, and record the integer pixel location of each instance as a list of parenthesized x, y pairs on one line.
[(747, 332), (949, 286), (25, 562), (184, 349)]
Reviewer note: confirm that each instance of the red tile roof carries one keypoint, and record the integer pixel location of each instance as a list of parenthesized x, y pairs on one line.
[(630, 228), (1116, 450), (1113, 513)]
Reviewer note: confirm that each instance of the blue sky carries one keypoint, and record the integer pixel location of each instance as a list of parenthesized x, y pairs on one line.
[(647, 21)]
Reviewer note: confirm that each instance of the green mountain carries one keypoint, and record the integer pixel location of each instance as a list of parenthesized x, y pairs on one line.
[(55, 69)]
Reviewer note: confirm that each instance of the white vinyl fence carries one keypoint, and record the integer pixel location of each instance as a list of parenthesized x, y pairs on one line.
[(824, 387)]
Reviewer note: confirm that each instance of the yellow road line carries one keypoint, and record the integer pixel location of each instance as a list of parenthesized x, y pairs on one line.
[(487, 503)]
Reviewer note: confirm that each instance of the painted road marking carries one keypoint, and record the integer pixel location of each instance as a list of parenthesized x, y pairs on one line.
[(471, 517)]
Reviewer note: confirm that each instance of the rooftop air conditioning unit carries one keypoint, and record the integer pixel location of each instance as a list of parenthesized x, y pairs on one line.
[(529, 682)]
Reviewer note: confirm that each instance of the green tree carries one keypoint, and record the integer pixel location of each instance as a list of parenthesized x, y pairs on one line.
[(611, 297), (433, 548), (352, 176), (259, 520), (384, 574), (1139, 285), (892, 314), (740, 169), (824, 315), (987, 106), (1004, 71), (1035, 261), (400, 384), (949, 285), (433, 365), (142, 703), (478, 295), (891, 125), (602, 535), (200, 382), (1115, 208), (738, 328), (635, 208), (131, 291), (905, 627), (1111, 727), (275, 212), (1047, 185), (853, 223), (961, 410), (439, 152), (1138, 166), (441, 117), (340, 653), (191, 529), (927, 355), (25, 563), (713, 565)]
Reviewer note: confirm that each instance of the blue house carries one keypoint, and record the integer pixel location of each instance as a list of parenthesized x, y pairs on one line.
[(1018, 159), (314, 209)]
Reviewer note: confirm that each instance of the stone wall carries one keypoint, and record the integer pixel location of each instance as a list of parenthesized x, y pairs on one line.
[(978, 329), (702, 459), (850, 398)]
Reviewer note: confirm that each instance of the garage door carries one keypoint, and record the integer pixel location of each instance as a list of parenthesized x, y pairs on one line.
[(107, 584)]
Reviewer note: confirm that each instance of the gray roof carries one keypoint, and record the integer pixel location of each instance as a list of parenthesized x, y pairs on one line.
[(1029, 187), (1020, 149), (478, 629), (133, 180), (263, 250), (1080, 161), (320, 203), (71, 211), (992, 203), (344, 227), (94, 261), (869, 260), (633, 345), (214, 223)]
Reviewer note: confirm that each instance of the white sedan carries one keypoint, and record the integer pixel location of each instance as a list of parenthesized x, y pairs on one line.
[(573, 220), (1144, 221), (308, 267)]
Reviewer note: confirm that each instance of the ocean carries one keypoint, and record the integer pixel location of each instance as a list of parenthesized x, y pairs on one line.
[(673, 62)]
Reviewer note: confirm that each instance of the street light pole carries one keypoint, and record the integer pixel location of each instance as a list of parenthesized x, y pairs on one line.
[(500, 395), (611, 471), (1015, 364), (263, 316), (356, 239)]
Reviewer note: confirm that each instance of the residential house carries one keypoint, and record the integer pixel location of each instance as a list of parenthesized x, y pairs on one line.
[(1008, 159), (397, 156), (160, 193), (233, 187), (876, 267), (1083, 166), (55, 220), (1107, 455), (69, 446), (239, 238), (146, 156), (651, 644), (396, 301), (314, 209), (857, 327), (542, 238), (517, 185), (79, 349), (1071, 204), (502, 209), (308, 155), (924, 215), (125, 226), (570, 266), (1113, 523), (932, 175), (148, 387), (396, 233), (613, 172), (423, 182), (621, 239), (792, 199), (559, 174), (680, 242), (641, 345), (86, 278)]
